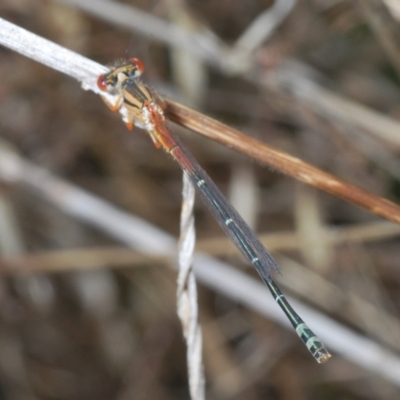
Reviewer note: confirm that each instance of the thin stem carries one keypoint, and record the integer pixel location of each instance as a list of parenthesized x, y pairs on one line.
[(87, 71), (281, 161)]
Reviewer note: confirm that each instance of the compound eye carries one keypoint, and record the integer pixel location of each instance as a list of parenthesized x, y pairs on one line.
[(102, 83), (138, 64)]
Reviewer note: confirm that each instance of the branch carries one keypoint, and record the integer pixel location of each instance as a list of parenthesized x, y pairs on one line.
[(87, 71), (282, 162)]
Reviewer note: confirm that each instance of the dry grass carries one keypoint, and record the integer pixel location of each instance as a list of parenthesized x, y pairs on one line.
[(320, 85)]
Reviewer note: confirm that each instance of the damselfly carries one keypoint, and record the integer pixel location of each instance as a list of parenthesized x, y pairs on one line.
[(144, 106)]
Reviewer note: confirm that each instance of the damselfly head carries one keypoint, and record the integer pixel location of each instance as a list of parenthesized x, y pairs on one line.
[(130, 69)]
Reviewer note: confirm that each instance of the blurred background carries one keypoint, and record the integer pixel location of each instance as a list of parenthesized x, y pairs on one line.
[(83, 317)]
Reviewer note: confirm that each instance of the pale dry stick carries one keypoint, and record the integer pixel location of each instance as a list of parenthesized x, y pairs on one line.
[(54, 56), (98, 213), (290, 76), (187, 294), (372, 283), (363, 232), (11, 242), (206, 47), (244, 192), (60, 58), (78, 259), (394, 7), (325, 294), (67, 260), (370, 147), (298, 278), (385, 28), (217, 275), (316, 251), (51, 54), (381, 324), (188, 72), (69, 62), (120, 257), (264, 25), (239, 58)]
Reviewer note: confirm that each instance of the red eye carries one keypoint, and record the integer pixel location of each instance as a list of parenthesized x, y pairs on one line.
[(138, 63), (102, 83)]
